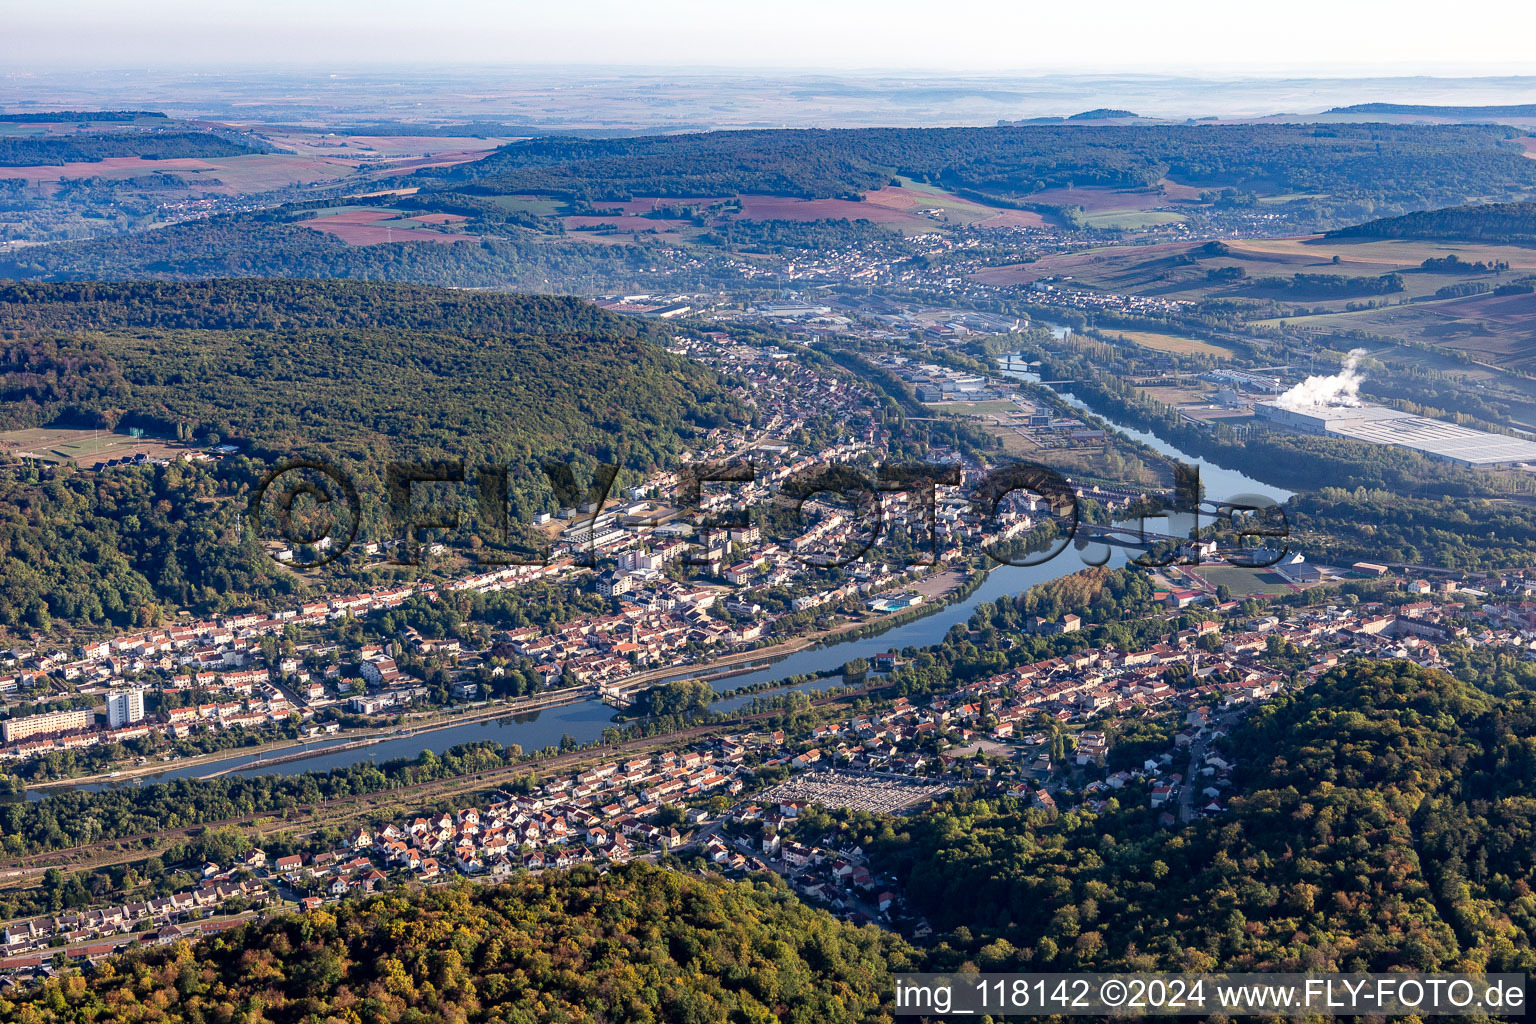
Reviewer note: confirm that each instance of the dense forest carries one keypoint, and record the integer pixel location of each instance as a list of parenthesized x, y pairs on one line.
[(257, 245), (1429, 110), (125, 548), (1391, 163), (80, 116), (368, 371), (1326, 286), (639, 945), (1383, 819), (94, 147), (356, 374), (1506, 223)]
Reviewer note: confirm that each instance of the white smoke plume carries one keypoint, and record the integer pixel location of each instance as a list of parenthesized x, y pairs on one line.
[(1342, 388)]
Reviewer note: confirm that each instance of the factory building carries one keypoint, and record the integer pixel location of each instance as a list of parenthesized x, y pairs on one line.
[(1434, 439)]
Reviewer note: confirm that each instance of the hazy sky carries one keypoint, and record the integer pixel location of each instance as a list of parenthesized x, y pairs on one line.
[(1189, 36)]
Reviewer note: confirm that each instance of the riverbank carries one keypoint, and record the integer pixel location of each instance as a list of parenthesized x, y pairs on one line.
[(956, 588), (304, 749), (577, 715), (340, 812), (581, 718)]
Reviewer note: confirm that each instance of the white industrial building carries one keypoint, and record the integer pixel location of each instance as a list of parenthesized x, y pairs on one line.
[(1434, 439)]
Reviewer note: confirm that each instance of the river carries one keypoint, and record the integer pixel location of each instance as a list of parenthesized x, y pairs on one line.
[(585, 720)]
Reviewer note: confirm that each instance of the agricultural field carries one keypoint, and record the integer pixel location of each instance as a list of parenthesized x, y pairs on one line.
[(788, 208), (36, 129), (397, 152), (371, 225), (1170, 269), (1497, 329), (228, 176), (1131, 220), (83, 447), (132, 191), (623, 224), (946, 208), (1195, 270), (1177, 344), (911, 209)]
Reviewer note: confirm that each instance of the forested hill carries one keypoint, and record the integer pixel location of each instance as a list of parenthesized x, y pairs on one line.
[(1384, 818), (359, 375), (276, 304), (98, 146), (1365, 168), (1507, 223), (381, 370), (82, 116), (259, 245), (1428, 110), (637, 944), (1384, 162)]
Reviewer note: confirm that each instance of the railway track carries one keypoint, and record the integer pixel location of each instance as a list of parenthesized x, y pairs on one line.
[(129, 848)]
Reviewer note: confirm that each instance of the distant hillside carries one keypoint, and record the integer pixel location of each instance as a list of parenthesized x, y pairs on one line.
[(95, 147), (273, 245), (1510, 110), (1406, 164), (470, 129), (1503, 223), (1101, 114), (79, 116)]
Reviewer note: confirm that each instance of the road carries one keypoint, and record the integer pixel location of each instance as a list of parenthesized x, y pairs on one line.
[(1197, 751), (1191, 773)]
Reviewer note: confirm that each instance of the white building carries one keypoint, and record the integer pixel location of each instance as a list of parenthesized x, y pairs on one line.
[(124, 707)]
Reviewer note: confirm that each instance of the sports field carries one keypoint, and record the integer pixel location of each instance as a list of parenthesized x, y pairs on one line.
[(83, 447), (1131, 220), (1177, 344), (1242, 582), (992, 408)]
